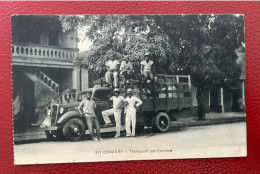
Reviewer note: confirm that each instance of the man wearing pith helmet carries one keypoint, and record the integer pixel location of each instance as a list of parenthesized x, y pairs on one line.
[(118, 105), (132, 103)]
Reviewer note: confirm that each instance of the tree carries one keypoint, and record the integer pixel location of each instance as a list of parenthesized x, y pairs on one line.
[(207, 45), (202, 46), (120, 36)]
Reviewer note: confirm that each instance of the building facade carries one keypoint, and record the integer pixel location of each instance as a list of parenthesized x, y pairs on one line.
[(231, 97), (43, 65)]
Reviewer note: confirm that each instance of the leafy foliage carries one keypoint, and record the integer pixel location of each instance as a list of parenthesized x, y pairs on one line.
[(202, 46)]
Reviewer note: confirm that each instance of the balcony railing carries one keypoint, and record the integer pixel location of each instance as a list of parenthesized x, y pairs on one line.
[(41, 51)]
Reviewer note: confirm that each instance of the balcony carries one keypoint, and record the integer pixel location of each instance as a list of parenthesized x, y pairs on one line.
[(43, 56)]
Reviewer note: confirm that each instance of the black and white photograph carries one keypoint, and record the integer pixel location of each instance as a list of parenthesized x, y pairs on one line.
[(89, 88)]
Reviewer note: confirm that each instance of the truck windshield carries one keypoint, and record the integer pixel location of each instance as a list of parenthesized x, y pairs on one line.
[(81, 96), (103, 95)]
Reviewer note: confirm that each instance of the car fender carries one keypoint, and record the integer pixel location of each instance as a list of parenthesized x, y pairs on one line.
[(69, 115)]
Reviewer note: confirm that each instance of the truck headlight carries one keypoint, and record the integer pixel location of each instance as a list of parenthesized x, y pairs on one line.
[(61, 110)]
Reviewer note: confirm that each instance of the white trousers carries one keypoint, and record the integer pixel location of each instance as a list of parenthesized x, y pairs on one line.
[(108, 77), (130, 119), (117, 115)]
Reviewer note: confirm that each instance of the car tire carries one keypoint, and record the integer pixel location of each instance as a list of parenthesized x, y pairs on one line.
[(161, 122), (74, 129)]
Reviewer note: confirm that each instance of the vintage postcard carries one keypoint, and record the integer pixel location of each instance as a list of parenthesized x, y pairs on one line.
[(90, 88)]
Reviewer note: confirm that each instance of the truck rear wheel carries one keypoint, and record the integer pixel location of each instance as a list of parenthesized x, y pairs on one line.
[(161, 122), (74, 129)]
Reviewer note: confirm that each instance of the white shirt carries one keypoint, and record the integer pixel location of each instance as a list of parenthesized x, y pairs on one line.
[(112, 64), (126, 66), (132, 102), (147, 65), (116, 101), (88, 107)]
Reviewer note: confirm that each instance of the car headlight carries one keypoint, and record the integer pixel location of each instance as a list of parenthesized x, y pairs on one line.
[(61, 110)]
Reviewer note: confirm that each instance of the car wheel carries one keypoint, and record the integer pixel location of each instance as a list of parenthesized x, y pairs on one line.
[(161, 122), (74, 129)]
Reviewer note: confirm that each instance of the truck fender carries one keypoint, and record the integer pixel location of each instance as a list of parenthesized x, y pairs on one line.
[(69, 115)]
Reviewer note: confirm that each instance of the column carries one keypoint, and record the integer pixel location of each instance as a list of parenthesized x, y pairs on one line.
[(189, 81), (76, 77), (209, 99), (84, 78), (221, 100)]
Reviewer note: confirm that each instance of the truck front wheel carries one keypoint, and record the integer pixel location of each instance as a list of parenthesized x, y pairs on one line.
[(74, 129), (161, 122)]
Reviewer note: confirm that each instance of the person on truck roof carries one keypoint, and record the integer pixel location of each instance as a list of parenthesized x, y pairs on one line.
[(112, 70), (126, 69), (132, 103), (89, 106), (118, 105), (146, 68)]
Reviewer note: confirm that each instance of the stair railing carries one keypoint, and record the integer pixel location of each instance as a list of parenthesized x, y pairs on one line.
[(65, 97)]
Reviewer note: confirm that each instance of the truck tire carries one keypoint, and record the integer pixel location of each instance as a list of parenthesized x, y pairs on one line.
[(161, 122), (74, 129)]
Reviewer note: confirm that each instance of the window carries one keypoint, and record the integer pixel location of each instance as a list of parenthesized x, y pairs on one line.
[(53, 38)]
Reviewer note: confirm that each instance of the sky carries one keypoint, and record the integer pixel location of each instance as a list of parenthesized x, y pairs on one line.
[(84, 44)]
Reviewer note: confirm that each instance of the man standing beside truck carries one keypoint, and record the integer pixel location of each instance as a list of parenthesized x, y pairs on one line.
[(118, 104), (89, 106), (130, 110)]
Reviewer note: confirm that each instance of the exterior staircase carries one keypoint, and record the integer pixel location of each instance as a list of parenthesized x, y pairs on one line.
[(44, 79), (65, 97), (45, 89)]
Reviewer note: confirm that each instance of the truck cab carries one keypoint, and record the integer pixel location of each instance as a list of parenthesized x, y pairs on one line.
[(64, 119)]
